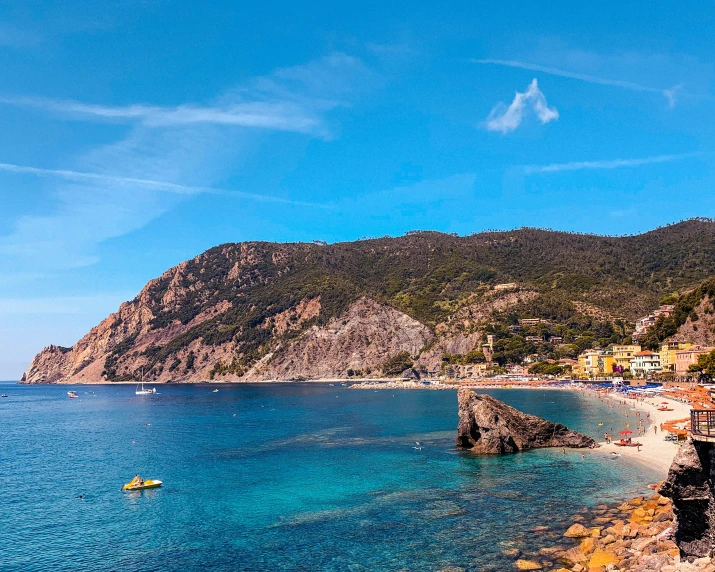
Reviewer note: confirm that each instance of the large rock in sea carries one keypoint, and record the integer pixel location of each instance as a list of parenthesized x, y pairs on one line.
[(486, 425)]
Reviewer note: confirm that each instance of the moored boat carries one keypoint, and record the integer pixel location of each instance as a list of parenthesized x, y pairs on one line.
[(143, 391), (72, 395)]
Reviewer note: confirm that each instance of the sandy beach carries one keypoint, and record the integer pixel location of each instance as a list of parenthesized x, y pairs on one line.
[(656, 452)]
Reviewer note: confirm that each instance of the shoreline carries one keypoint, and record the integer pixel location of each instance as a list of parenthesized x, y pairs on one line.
[(656, 452)]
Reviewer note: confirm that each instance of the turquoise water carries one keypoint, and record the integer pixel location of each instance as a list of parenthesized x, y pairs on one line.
[(282, 477)]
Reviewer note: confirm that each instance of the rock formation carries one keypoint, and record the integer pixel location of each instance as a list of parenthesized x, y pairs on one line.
[(690, 486), (486, 425)]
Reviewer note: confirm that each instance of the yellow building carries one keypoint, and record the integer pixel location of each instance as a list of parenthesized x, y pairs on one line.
[(588, 364), (667, 354), (606, 363), (622, 355)]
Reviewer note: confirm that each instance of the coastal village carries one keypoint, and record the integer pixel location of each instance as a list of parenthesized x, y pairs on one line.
[(674, 361)]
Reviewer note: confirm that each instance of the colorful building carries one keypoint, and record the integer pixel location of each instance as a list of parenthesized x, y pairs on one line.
[(645, 364), (605, 363), (622, 355), (689, 356), (667, 354)]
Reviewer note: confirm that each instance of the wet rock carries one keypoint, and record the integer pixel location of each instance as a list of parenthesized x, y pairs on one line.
[(577, 531), (527, 565), (486, 425)]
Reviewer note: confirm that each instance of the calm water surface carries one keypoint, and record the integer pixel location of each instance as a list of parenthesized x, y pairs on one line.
[(282, 477)]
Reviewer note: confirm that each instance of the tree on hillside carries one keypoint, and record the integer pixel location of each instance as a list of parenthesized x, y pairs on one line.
[(397, 364)]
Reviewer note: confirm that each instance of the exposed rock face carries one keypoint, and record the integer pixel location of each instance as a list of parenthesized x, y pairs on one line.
[(702, 331), (358, 339), (486, 425), (690, 486)]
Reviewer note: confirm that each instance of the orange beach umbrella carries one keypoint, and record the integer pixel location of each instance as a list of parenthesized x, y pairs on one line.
[(626, 432)]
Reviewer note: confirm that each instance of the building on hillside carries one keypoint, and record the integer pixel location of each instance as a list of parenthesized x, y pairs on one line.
[(689, 356), (534, 339), (514, 328), (642, 324), (622, 355), (507, 286), (471, 370), (488, 347), (646, 363), (556, 340), (532, 322), (667, 354)]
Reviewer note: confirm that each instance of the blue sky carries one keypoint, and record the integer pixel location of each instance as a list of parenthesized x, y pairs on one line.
[(137, 134)]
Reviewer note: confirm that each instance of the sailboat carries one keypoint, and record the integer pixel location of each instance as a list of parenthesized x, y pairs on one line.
[(143, 391)]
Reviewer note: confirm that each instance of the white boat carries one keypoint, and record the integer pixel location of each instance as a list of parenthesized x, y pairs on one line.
[(143, 391), (72, 395), (215, 391)]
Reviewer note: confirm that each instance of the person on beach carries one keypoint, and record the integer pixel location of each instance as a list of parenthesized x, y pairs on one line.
[(655, 429)]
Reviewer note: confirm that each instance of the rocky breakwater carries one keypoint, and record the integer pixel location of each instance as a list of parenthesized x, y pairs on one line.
[(489, 426), (690, 485)]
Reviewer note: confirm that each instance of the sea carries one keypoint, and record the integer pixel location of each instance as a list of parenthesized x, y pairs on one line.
[(289, 476)]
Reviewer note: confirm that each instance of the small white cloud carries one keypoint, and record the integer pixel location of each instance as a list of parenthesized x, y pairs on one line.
[(506, 119), (671, 93)]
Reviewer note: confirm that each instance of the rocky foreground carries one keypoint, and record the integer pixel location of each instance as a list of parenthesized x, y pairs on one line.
[(489, 426), (637, 536)]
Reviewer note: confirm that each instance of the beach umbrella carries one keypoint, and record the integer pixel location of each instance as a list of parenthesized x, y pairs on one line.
[(626, 432), (664, 403)]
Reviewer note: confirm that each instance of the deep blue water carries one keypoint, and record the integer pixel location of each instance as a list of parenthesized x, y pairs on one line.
[(282, 477)]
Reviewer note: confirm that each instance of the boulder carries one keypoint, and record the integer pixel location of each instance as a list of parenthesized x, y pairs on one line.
[(489, 426), (690, 486)]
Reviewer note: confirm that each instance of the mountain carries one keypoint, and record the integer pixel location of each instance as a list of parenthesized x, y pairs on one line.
[(258, 310)]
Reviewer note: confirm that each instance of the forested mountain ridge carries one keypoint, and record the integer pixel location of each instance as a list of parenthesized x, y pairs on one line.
[(261, 310)]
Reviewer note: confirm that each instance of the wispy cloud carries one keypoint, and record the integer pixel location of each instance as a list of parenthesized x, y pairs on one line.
[(506, 119), (605, 164), (284, 116), (291, 99), (134, 182), (669, 94), (159, 163)]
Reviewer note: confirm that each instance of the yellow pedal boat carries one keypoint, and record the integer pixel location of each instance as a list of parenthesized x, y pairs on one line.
[(137, 484)]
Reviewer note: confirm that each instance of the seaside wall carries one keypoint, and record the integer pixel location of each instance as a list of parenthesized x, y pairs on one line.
[(691, 486)]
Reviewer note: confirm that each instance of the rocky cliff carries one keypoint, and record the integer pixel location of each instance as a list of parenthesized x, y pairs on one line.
[(489, 426), (691, 487), (256, 311)]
